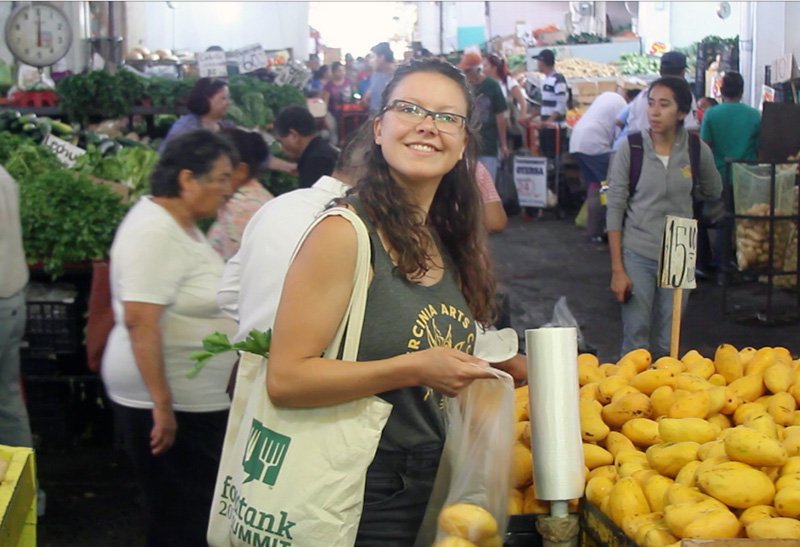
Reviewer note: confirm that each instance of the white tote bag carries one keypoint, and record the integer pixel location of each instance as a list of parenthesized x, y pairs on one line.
[(295, 477)]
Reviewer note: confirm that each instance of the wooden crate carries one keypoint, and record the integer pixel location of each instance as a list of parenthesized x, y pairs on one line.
[(18, 498)]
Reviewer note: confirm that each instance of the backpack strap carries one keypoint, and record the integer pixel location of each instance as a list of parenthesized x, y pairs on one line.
[(694, 157), (637, 157), (694, 164)]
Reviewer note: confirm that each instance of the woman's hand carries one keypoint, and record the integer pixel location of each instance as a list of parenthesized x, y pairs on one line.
[(162, 436), (448, 371), (621, 286), (517, 367)]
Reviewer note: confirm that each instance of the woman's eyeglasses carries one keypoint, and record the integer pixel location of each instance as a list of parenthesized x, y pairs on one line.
[(446, 122)]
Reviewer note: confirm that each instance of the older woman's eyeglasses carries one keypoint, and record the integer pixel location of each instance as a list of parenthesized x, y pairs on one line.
[(446, 122)]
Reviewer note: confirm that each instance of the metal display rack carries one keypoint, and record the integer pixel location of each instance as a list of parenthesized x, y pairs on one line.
[(767, 315)]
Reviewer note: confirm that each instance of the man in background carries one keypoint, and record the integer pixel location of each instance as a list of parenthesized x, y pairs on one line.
[(382, 72), (673, 63), (489, 112), (15, 430), (296, 130), (554, 102), (732, 131)]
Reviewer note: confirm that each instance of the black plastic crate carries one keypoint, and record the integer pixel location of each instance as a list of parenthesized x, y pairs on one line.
[(522, 531), (52, 327)]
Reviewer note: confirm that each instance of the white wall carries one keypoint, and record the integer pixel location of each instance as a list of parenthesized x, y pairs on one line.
[(194, 26), (504, 15), (678, 24), (790, 32)]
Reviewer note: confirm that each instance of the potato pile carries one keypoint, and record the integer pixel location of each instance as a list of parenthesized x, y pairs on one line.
[(694, 448), (752, 239), (523, 498)]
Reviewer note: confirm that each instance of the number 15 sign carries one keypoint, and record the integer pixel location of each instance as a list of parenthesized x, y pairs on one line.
[(678, 254)]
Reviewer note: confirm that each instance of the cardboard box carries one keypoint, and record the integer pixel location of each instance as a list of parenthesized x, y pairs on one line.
[(551, 38), (18, 498)]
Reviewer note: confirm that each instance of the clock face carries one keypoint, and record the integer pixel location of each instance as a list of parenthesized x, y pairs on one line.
[(38, 34)]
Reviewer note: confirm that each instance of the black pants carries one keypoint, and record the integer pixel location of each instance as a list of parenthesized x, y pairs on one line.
[(399, 485), (178, 485)]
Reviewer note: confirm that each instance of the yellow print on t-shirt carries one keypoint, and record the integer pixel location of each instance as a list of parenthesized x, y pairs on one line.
[(436, 327)]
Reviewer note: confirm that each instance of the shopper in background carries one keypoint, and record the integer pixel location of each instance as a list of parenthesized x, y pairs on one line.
[(636, 219), (495, 219), (673, 64), (253, 278), (338, 90), (732, 130), (554, 102), (383, 71), (421, 205), (208, 104), (296, 130), (15, 429), (622, 119), (517, 113), (590, 144), (318, 81), (313, 62), (164, 279), (489, 113), (704, 104), (248, 195)]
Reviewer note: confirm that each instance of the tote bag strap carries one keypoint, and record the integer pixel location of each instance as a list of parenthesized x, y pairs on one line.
[(350, 327)]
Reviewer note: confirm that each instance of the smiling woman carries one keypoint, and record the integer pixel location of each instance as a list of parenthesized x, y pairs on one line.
[(430, 287)]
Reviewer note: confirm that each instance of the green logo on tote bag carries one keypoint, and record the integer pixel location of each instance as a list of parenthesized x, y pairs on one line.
[(264, 454)]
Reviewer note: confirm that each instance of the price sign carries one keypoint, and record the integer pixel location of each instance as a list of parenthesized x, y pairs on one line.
[(678, 254), (212, 64), (251, 58), (784, 69), (67, 152), (530, 178)]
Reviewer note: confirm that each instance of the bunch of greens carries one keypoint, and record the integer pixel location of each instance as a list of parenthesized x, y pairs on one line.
[(132, 166), (256, 102), (166, 92), (24, 159), (214, 344), (635, 63), (67, 218), (99, 93)]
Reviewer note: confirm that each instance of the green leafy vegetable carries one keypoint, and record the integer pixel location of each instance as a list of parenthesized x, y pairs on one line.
[(218, 343), (67, 218)]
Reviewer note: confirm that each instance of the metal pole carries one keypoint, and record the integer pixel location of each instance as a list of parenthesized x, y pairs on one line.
[(441, 28)]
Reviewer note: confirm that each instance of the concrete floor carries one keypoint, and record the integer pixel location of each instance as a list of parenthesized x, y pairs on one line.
[(93, 501)]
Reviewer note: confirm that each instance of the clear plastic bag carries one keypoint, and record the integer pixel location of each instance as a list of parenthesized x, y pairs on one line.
[(562, 317), (470, 497)]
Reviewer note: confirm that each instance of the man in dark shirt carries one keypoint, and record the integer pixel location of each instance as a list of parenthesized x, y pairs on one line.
[(296, 130)]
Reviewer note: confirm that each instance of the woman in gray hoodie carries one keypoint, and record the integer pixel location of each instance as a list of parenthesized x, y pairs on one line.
[(636, 219)]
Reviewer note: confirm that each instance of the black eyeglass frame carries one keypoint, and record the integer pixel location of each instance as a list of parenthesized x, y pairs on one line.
[(432, 113)]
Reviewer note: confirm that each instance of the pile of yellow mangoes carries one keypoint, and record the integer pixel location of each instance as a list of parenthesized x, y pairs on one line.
[(523, 498), (694, 447), (468, 525)]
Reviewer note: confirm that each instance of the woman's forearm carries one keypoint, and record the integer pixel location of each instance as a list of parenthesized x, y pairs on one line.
[(147, 350)]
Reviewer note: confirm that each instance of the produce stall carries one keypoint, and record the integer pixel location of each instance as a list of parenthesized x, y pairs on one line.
[(696, 448), (17, 497)]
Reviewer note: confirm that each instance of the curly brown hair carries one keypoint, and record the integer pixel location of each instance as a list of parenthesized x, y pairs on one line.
[(455, 216)]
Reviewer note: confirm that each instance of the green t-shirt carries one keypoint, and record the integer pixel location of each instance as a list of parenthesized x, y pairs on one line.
[(489, 102), (731, 130)]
